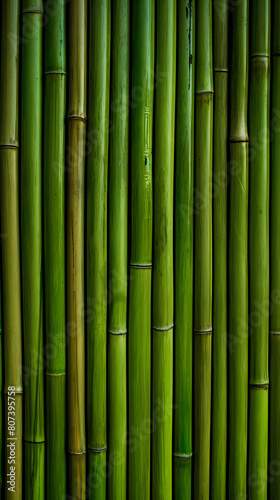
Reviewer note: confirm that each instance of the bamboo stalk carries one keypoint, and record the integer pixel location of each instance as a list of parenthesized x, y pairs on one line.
[(162, 375), (203, 249), (96, 244), (219, 362), (274, 346), (117, 271), (183, 286), (1, 385), (75, 163), (238, 259), (139, 339), (259, 248), (54, 214)]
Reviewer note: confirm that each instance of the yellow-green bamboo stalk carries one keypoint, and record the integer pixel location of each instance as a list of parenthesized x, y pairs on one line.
[(117, 269), (96, 245), (203, 249), (238, 258), (75, 164), (220, 162), (162, 376)]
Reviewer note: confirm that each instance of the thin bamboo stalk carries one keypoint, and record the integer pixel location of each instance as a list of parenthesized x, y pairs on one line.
[(139, 339), (163, 319), (183, 286), (117, 271), (54, 214), (259, 248), (11, 293), (203, 249), (31, 248), (219, 362), (274, 346), (75, 164), (1, 386), (96, 243), (238, 259)]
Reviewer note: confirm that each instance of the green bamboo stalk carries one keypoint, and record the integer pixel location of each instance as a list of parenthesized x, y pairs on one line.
[(31, 247), (96, 244), (274, 346), (11, 293), (139, 339), (219, 363), (259, 248), (238, 259), (203, 249), (162, 388), (54, 158), (117, 271), (184, 175), (75, 164)]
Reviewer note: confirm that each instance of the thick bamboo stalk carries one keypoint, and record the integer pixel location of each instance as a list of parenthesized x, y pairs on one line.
[(96, 244), (75, 164), (274, 346), (203, 249), (219, 362), (238, 259), (117, 270), (183, 286), (163, 319), (11, 292), (259, 248), (54, 215), (139, 339)]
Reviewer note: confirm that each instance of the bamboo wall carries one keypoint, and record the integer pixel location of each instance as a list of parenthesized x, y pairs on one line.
[(140, 243)]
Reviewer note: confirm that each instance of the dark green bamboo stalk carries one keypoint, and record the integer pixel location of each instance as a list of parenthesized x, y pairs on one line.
[(54, 214), (238, 259), (184, 175), (163, 319), (96, 244), (274, 347), (1, 389), (139, 339), (75, 164), (259, 248), (203, 249), (117, 272), (219, 363), (31, 247)]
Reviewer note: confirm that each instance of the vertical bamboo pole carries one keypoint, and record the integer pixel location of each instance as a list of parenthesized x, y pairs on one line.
[(96, 243), (139, 338), (238, 259), (54, 214), (75, 164), (31, 247), (1, 385), (117, 272), (203, 249), (183, 286), (219, 362), (162, 388), (274, 347), (259, 248)]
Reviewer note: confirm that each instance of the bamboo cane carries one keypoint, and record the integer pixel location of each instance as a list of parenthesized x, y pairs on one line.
[(117, 272), (75, 164), (31, 247), (183, 285), (162, 376), (238, 260), (96, 244), (1, 385), (54, 213), (139, 339), (274, 347), (203, 249), (219, 363), (259, 248)]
